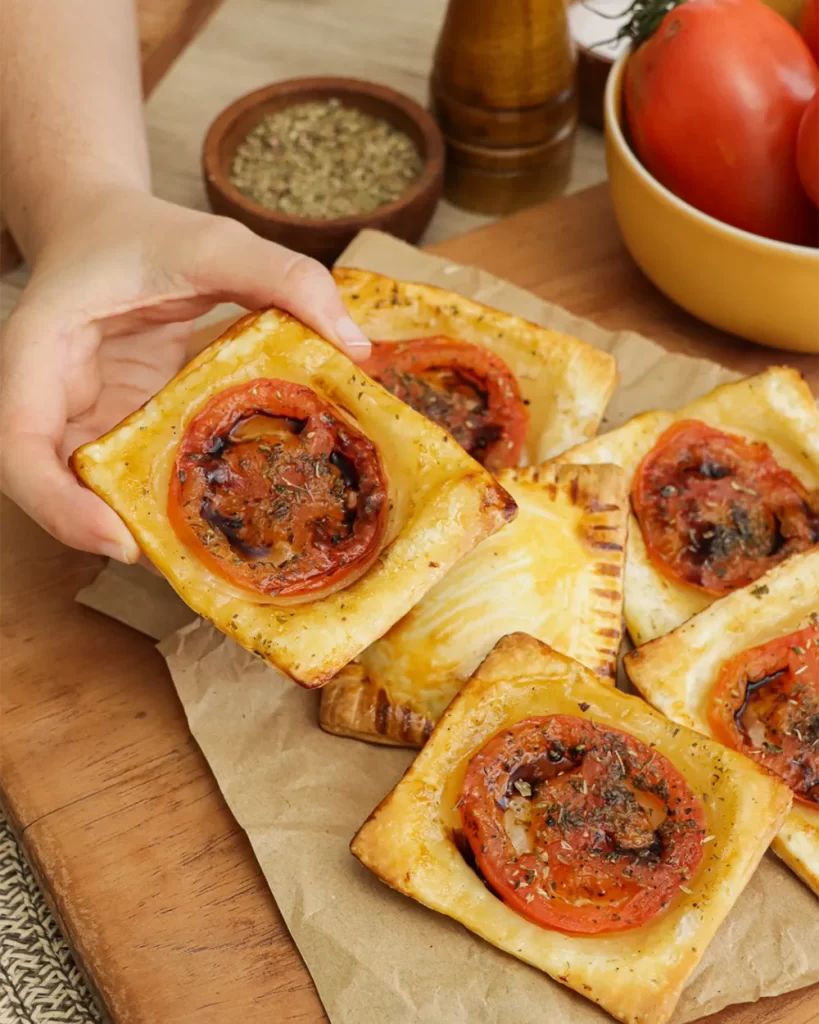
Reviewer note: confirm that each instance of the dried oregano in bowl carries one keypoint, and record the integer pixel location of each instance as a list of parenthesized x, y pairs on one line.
[(326, 160), (309, 162)]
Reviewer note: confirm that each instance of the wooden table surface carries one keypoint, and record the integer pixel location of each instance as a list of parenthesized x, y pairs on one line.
[(150, 877), (165, 29)]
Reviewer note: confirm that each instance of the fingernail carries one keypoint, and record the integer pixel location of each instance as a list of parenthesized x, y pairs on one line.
[(350, 334), (110, 549)]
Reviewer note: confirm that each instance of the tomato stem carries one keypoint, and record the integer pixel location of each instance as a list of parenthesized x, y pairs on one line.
[(646, 16)]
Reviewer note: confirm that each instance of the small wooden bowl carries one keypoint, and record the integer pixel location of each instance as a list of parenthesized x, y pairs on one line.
[(405, 217)]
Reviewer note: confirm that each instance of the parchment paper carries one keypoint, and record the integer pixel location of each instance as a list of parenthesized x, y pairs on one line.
[(375, 956)]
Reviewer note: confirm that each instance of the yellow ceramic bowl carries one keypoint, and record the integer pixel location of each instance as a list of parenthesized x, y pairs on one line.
[(762, 290)]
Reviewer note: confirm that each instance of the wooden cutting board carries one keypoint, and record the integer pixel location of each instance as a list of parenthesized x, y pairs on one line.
[(165, 29), (152, 880)]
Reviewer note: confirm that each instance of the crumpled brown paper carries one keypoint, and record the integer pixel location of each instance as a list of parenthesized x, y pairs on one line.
[(300, 794)]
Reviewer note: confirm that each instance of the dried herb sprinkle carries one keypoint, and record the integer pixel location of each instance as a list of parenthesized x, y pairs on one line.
[(324, 159)]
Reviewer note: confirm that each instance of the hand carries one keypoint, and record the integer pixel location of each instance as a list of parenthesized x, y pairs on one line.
[(102, 326)]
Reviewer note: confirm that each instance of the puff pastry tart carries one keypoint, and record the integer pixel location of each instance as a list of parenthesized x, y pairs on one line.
[(556, 572), (504, 388), (746, 671), (576, 828), (290, 499), (722, 490)]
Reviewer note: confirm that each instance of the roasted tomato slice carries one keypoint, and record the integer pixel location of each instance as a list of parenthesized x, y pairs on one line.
[(716, 511), (580, 828), (464, 388), (765, 704), (274, 492)]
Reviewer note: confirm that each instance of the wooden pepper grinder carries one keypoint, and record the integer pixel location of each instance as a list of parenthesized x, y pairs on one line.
[(503, 92)]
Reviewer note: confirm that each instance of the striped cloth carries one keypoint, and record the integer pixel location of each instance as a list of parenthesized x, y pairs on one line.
[(39, 981)]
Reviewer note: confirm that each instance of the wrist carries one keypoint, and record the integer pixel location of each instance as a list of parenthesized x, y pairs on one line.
[(73, 208)]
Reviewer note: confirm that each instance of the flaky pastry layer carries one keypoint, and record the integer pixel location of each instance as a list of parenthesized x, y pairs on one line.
[(442, 502), (677, 672), (555, 572), (776, 407), (565, 382), (636, 975)]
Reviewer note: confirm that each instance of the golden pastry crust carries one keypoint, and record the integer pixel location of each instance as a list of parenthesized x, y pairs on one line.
[(556, 571), (677, 672), (566, 382), (776, 407), (442, 503), (636, 975)]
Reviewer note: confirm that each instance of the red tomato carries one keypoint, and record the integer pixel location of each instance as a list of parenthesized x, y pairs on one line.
[(810, 27), (766, 704), (716, 511), (713, 101), (580, 827), (807, 150), (274, 492), (464, 388)]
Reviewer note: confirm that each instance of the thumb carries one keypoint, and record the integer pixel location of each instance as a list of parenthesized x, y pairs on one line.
[(246, 269)]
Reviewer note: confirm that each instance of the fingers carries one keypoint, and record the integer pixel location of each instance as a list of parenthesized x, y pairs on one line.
[(34, 478), (32, 423), (248, 270)]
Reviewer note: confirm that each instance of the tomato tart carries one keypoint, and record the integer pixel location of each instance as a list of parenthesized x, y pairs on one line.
[(290, 499), (556, 572), (464, 388), (576, 828), (508, 390), (722, 490), (746, 671)]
